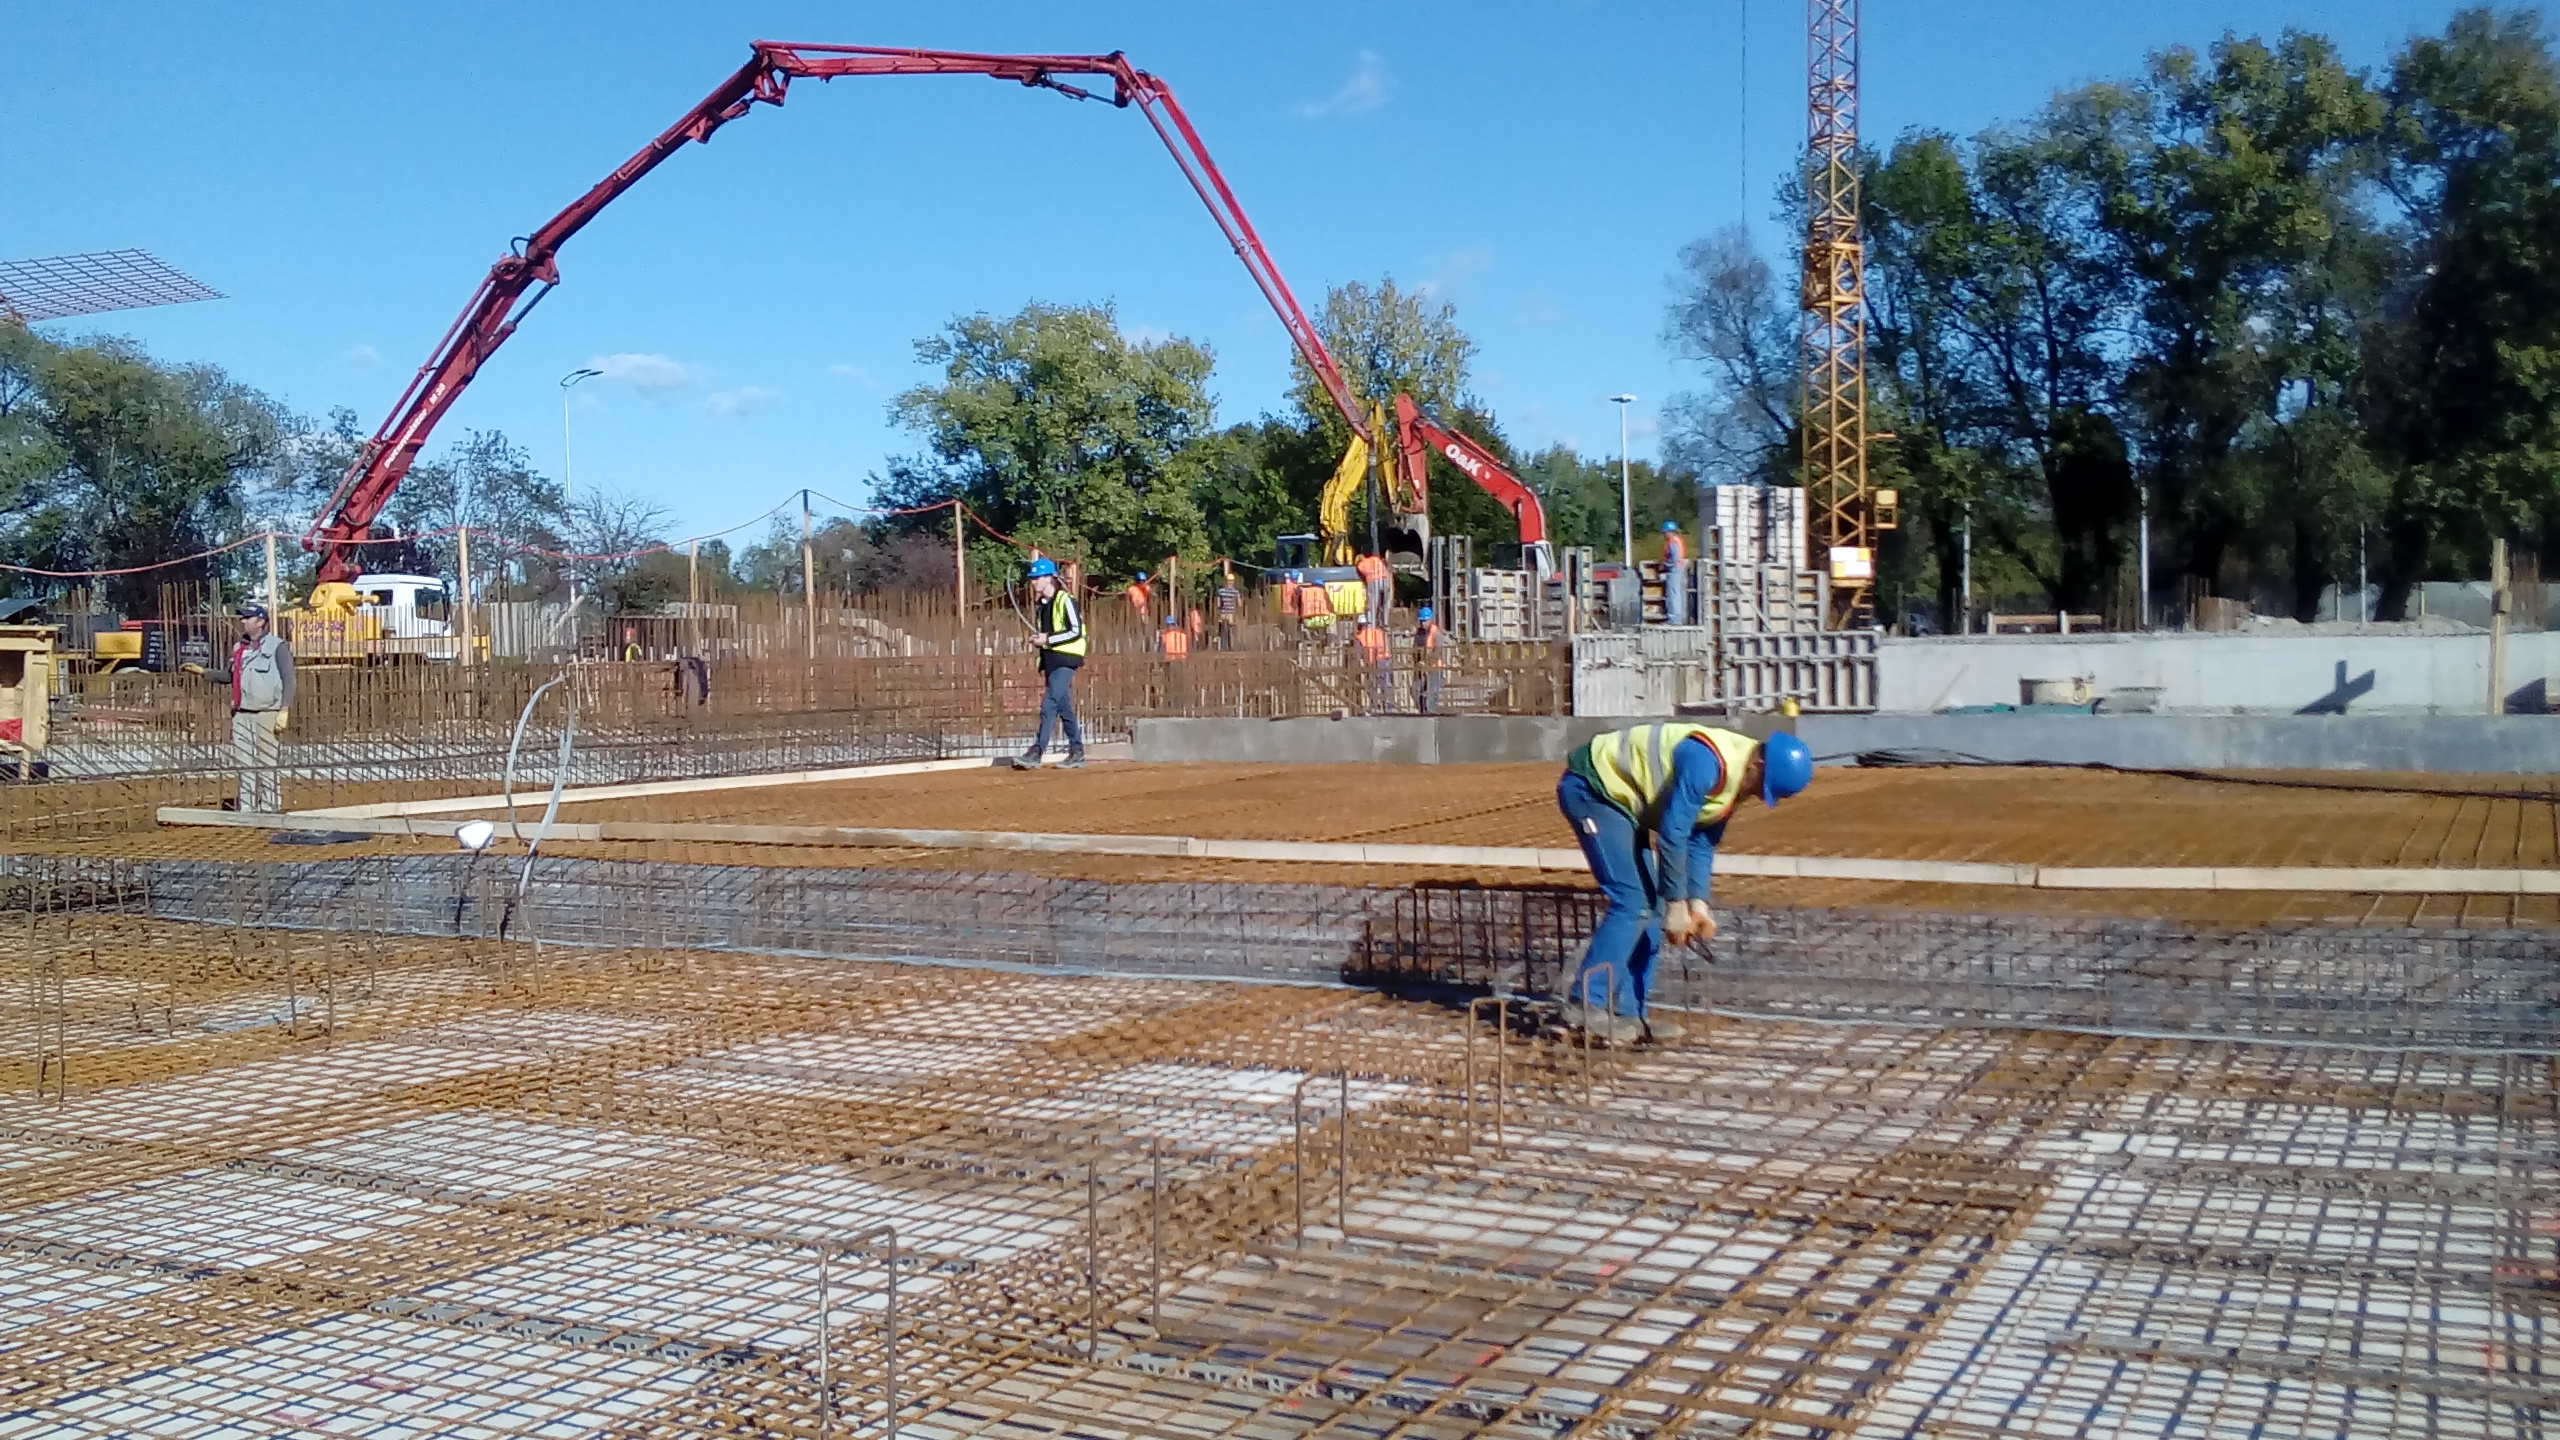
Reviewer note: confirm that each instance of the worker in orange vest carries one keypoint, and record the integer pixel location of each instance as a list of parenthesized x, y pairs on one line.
[(1141, 595), (1175, 641), (1675, 575), (1315, 609), (1381, 585), (1378, 653)]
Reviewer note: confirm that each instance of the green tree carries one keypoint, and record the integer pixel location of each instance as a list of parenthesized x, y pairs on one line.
[(1389, 342), (1729, 317), (488, 482), (1581, 496), (1259, 481), (2465, 351), (2222, 178), (1065, 433), (110, 459), (1994, 308)]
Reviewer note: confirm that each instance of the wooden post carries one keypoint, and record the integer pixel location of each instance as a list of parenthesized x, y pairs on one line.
[(959, 567), (275, 601), (2498, 627), (462, 592), (808, 577), (693, 597)]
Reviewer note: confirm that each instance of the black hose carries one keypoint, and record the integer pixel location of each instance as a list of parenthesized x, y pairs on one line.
[(1919, 757)]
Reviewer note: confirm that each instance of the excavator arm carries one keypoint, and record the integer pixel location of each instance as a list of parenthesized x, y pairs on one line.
[(1419, 435), (509, 292)]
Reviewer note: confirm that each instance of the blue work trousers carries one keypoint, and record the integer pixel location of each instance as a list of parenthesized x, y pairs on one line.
[(1618, 967), (1675, 594), (1058, 706)]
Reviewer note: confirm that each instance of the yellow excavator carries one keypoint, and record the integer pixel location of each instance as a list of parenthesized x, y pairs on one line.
[(1325, 558)]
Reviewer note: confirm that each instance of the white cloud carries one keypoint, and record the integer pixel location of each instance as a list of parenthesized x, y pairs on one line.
[(360, 357), (1365, 91), (653, 373), (730, 404), (1456, 269)]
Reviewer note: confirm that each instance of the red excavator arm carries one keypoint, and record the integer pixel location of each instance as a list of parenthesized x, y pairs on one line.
[(1420, 435), (502, 302)]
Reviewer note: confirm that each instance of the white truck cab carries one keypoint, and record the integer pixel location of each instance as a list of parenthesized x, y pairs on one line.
[(411, 607)]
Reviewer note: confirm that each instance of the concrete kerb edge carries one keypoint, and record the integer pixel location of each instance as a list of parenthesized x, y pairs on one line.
[(2308, 879)]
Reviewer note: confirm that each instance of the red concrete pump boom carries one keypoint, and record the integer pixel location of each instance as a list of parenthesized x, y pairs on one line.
[(502, 303)]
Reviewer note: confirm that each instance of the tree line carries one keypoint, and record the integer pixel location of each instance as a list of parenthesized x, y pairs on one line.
[(1059, 430), (2307, 315)]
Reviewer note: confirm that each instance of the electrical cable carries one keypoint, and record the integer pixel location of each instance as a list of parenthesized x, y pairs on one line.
[(1925, 756)]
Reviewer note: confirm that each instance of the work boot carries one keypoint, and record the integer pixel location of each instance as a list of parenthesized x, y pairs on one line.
[(1664, 1031), (1616, 1029), (1569, 1015), (1025, 762), (1074, 761)]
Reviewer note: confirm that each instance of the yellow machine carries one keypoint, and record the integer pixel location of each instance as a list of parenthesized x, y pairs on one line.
[(26, 691), (1333, 503), (114, 650), (333, 628)]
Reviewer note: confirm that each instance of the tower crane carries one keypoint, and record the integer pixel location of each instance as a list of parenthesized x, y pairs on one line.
[(1843, 512)]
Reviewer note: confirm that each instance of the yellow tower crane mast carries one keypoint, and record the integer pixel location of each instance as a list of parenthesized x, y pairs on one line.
[(1841, 509)]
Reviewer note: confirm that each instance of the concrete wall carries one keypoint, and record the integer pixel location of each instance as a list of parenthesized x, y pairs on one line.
[(2440, 744), (2444, 744), (1392, 739), (2334, 672)]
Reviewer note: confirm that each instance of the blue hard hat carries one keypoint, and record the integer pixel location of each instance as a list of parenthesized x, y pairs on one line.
[(1043, 567), (1669, 526), (1787, 768), (253, 611), (1142, 574), (1423, 614), (1168, 617)]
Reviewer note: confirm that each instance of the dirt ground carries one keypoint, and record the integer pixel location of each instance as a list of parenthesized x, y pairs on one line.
[(2030, 816)]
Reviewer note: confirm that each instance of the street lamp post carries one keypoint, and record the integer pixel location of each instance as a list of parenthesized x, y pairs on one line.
[(569, 475), (1626, 489)]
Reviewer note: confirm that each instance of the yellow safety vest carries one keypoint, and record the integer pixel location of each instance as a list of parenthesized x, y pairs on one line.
[(1633, 768), (1061, 627)]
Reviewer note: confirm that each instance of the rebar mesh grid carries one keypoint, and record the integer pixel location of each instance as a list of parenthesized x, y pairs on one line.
[(2373, 986), (643, 1192)]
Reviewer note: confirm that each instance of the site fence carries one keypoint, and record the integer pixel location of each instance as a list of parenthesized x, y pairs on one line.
[(125, 744)]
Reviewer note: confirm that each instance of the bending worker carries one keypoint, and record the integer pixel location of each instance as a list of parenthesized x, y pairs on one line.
[(1059, 628), (1667, 789)]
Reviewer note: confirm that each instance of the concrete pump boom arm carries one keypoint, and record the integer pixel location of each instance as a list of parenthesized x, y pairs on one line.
[(502, 302)]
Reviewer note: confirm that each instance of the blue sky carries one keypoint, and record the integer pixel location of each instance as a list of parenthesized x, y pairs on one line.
[(345, 174)]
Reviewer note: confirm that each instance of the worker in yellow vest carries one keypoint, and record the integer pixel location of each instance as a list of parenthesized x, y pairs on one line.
[(1649, 806), (1058, 629)]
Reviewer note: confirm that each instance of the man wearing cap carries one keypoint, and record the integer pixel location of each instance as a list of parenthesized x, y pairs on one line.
[(260, 674), (1230, 605), (1430, 660), (1058, 628), (1649, 806)]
